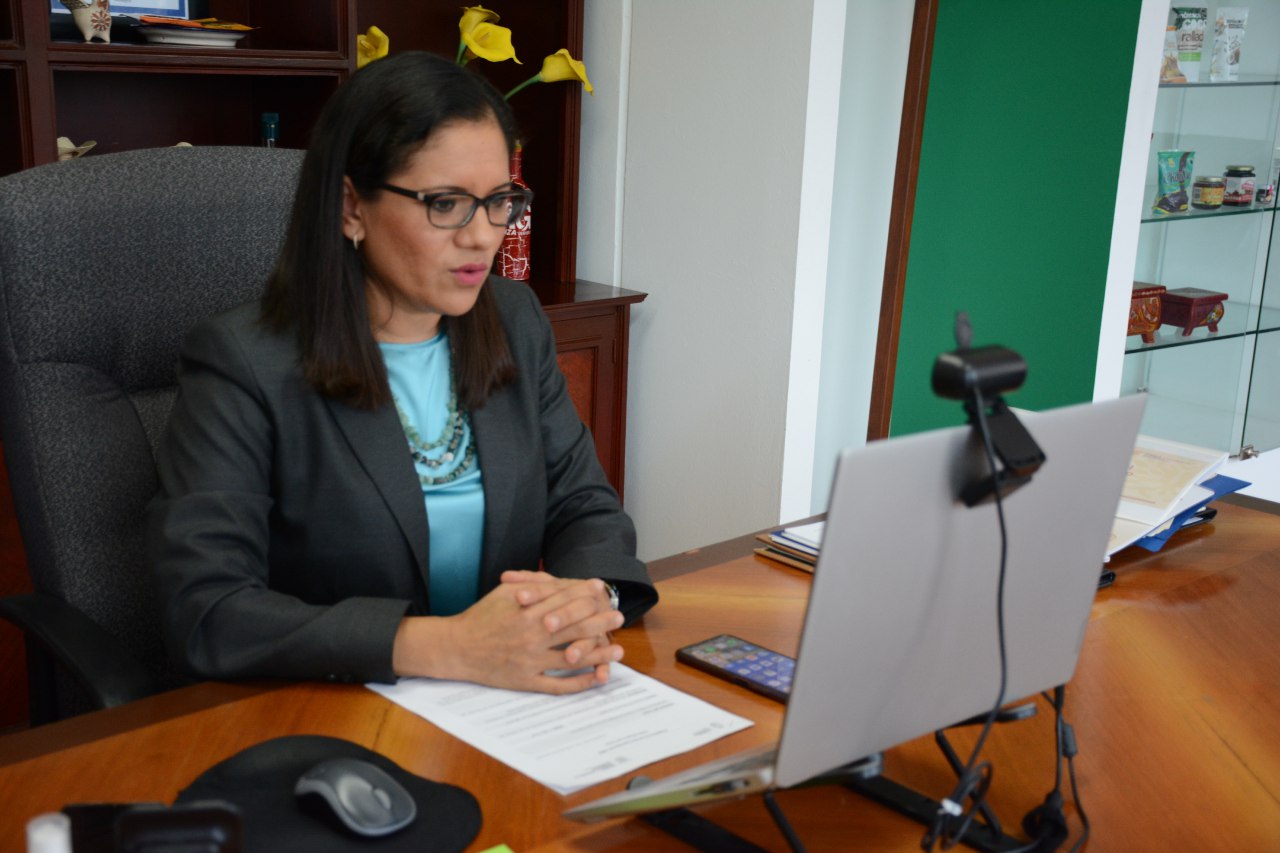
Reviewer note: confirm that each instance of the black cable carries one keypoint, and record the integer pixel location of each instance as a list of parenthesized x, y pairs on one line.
[(953, 819), (1057, 700), (784, 825), (1069, 748)]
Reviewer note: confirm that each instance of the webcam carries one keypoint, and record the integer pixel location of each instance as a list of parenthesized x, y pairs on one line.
[(989, 371), (979, 376)]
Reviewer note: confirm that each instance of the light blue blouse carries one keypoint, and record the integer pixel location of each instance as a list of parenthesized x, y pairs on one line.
[(421, 379)]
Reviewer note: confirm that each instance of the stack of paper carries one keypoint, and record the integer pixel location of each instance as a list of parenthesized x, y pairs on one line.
[(569, 742), (793, 546), (1167, 487)]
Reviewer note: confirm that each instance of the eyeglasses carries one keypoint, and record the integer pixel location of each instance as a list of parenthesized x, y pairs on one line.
[(455, 209)]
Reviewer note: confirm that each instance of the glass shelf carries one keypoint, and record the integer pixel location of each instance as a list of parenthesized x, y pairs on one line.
[(1237, 321), (1244, 80), (1195, 213)]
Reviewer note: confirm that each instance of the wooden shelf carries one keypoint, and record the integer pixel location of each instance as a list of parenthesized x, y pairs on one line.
[(53, 85), (190, 60)]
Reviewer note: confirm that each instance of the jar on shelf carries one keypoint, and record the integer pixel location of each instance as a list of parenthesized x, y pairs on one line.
[(1207, 192), (1240, 182)]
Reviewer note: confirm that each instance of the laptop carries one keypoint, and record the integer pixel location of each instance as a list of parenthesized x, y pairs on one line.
[(899, 638)]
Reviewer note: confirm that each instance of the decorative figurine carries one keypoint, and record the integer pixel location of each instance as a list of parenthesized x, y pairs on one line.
[(92, 18)]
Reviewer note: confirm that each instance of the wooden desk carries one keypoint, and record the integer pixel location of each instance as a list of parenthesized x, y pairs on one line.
[(1175, 705)]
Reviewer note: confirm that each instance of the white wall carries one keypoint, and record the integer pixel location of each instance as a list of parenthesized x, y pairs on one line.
[(606, 52), (813, 241), (714, 146), (877, 36), (709, 154)]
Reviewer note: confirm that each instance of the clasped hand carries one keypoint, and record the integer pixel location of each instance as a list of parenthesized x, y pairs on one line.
[(530, 625)]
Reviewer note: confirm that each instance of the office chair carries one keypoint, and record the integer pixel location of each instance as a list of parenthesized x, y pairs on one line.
[(105, 263)]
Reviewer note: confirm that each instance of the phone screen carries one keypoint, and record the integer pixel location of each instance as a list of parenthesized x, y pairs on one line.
[(754, 667)]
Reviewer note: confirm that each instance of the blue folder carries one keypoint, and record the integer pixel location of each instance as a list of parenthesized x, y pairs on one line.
[(1219, 484)]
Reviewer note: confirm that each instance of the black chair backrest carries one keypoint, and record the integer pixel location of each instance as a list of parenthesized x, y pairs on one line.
[(105, 264)]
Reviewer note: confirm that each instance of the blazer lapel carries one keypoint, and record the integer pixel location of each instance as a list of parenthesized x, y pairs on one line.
[(496, 445), (378, 442)]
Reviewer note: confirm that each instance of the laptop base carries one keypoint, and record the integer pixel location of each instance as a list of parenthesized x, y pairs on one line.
[(698, 832), (706, 835), (864, 777)]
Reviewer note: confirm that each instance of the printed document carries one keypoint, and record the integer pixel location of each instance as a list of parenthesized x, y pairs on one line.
[(1161, 473), (569, 742)]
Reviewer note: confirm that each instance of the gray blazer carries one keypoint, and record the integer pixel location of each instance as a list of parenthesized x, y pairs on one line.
[(289, 535)]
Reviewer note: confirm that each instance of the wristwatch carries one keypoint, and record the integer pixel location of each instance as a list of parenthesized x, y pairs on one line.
[(615, 601)]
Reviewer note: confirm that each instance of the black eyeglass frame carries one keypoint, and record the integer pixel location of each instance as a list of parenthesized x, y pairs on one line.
[(476, 202)]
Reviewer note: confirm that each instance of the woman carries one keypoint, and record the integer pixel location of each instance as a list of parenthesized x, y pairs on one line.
[(363, 473)]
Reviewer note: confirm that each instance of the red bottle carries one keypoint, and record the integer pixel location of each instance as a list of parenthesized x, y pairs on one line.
[(513, 257)]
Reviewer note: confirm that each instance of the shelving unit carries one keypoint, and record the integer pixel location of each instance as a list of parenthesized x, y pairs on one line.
[(1216, 389), (129, 94)]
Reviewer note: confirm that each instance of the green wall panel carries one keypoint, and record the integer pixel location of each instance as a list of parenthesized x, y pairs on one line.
[(1019, 166)]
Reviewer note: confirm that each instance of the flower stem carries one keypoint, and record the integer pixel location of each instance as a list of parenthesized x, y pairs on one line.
[(534, 79), (462, 46)]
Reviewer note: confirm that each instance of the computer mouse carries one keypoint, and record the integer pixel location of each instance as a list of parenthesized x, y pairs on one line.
[(363, 796)]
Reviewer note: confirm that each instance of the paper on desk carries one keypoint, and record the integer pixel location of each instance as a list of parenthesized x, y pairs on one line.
[(569, 742), (1126, 531), (1160, 475)]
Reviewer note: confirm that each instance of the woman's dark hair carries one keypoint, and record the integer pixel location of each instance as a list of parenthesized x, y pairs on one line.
[(368, 131)]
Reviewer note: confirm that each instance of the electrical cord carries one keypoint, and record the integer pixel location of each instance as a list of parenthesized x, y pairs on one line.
[(953, 819), (1067, 747)]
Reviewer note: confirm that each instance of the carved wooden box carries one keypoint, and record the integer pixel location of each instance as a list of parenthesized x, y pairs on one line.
[(1190, 307), (1144, 310)]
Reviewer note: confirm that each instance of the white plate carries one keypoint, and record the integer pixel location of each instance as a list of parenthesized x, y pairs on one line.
[(191, 36)]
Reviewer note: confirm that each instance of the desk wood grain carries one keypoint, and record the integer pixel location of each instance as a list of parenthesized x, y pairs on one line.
[(1175, 705)]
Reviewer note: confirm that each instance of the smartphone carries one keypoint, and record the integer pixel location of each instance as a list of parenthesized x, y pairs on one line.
[(734, 659)]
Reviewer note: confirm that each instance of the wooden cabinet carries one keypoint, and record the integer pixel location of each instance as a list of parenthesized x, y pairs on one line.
[(590, 322), (129, 94)]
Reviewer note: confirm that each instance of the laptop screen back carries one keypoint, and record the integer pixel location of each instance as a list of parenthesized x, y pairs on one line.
[(900, 634)]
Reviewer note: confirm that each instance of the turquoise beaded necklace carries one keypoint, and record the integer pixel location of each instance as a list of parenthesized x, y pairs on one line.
[(456, 430)]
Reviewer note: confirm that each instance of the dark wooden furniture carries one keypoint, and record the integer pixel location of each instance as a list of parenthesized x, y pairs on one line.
[(1173, 704), (135, 95), (591, 323)]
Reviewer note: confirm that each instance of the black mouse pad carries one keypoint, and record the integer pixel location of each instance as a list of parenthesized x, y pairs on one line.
[(259, 781)]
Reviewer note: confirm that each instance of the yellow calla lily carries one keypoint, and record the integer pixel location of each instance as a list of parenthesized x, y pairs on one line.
[(473, 15), (557, 67), (491, 42), (370, 46), (562, 66)]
